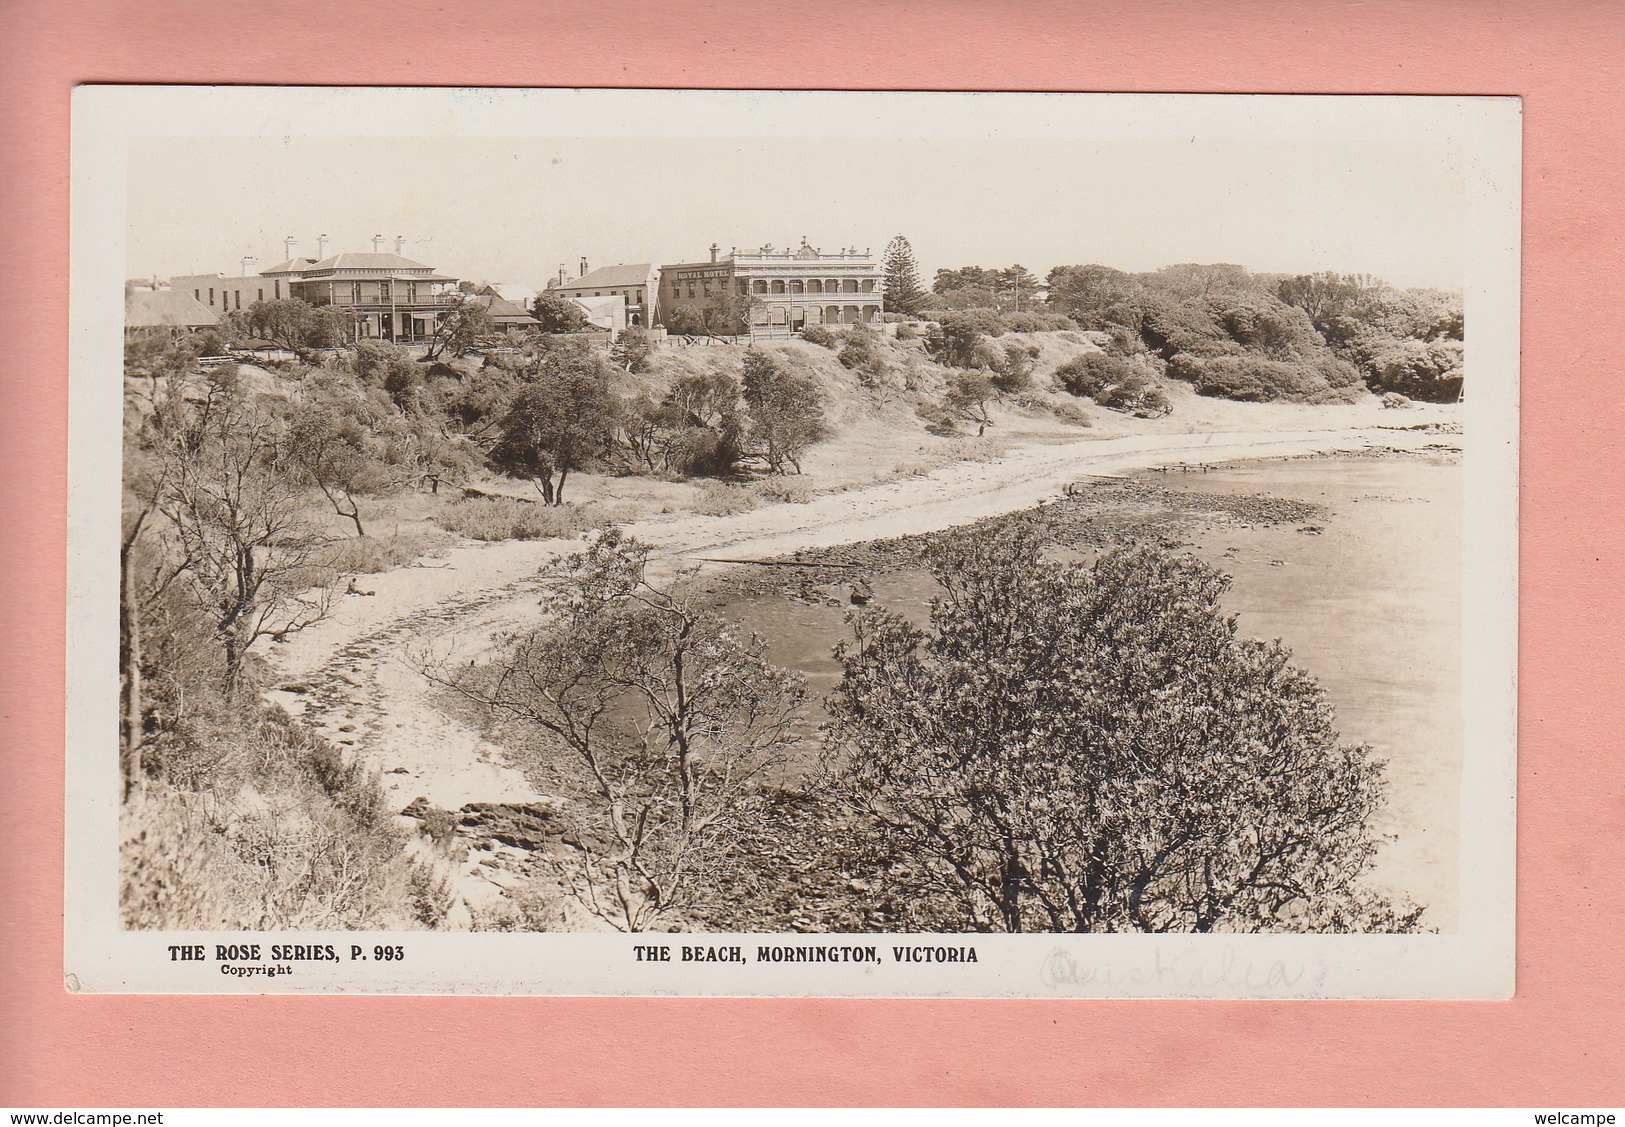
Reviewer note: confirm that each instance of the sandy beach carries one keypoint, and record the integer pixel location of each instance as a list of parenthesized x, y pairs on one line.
[(352, 679)]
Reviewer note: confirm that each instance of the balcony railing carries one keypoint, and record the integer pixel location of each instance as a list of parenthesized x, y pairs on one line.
[(375, 304)]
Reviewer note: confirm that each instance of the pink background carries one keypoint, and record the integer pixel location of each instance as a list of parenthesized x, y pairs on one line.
[(1560, 1042)]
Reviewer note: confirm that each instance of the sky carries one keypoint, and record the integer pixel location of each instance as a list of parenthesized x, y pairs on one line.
[(512, 209)]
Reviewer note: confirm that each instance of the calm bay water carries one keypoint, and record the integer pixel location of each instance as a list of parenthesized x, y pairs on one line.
[(1370, 606)]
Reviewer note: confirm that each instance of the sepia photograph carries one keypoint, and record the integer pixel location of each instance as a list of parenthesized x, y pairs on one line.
[(792, 543)]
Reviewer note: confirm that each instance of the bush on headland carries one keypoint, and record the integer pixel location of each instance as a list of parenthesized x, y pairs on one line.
[(1313, 338)]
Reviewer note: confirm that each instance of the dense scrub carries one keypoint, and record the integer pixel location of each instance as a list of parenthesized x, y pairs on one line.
[(1060, 748), (254, 824), (1237, 335)]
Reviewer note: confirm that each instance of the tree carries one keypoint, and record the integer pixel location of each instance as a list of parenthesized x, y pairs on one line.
[(786, 410), (669, 716), (466, 319), (968, 393), (727, 315), (1096, 296), (332, 452), (960, 339), (296, 325), (1322, 296), (1017, 288), (559, 314), (632, 349), (233, 504), (1093, 749), (561, 421), (161, 357), (901, 278), (966, 277)]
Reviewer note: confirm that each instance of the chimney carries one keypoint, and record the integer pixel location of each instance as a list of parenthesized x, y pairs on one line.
[(248, 266), (377, 244), (562, 274), (288, 244), (583, 267), (400, 244), (714, 251), (321, 247)]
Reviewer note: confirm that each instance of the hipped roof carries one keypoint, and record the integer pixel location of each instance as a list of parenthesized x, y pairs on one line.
[(626, 274), (170, 309)]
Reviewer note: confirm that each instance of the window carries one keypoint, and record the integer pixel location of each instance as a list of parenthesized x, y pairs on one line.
[(640, 297), (211, 297), (383, 290), (262, 293), (276, 288), (239, 299), (355, 293), (197, 295)]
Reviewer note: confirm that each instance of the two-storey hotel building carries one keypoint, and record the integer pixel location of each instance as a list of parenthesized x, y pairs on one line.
[(791, 289)]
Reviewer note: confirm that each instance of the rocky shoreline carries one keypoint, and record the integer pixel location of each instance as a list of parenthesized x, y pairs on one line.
[(1094, 515)]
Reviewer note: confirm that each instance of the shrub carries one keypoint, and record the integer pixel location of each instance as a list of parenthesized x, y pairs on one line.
[(1425, 370), (784, 490), (719, 499), (437, 824), (1070, 413), (211, 343), (1112, 381), (701, 451), (817, 334), (365, 555), (863, 354), (1254, 379), (430, 895), (514, 518), (937, 417), (1088, 375), (1155, 771), (1136, 393), (907, 331), (1033, 322), (305, 840), (631, 350), (1015, 368), (382, 364)]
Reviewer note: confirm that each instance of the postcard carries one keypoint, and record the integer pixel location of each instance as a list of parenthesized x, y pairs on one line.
[(808, 544)]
